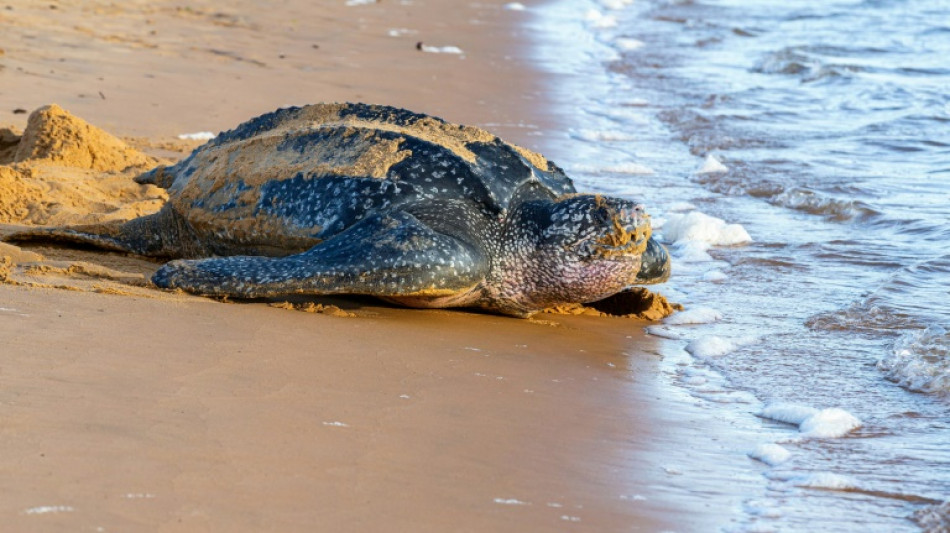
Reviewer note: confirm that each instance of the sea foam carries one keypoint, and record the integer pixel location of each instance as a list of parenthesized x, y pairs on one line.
[(664, 332), (770, 454), (934, 518), (615, 4), (629, 168), (825, 480), (715, 276), (790, 413), (680, 206), (603, 135), (596, 19), (691, 251), (762, 508), (627, 44), (716, 346), (698, 226), (711, 165), (920, 361), (827, 423), (694, 315)]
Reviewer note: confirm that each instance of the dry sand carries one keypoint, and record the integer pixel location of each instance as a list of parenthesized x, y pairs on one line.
[(157, 69), (62, 170), (124, 408)]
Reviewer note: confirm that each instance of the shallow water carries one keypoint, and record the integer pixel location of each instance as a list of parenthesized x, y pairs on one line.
[(832, 120)]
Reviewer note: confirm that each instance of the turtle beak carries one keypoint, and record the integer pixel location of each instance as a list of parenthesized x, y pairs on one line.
[(654, 264)]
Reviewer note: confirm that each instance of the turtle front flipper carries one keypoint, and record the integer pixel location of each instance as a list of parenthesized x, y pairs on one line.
[(394, 256)]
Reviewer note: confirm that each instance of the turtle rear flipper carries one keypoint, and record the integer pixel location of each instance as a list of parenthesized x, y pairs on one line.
[(393, 256), (162, 234)]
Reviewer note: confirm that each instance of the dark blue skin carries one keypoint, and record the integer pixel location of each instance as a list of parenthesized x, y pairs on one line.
[(361, 199)]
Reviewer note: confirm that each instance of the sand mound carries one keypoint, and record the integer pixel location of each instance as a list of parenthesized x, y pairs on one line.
[(54, 136), (15, 254), (310, 307), (9, 140), (41, 195), (63, 170), (636, 302), (17, 195)]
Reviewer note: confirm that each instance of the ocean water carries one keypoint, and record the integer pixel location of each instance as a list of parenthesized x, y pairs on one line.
[(796, 159)]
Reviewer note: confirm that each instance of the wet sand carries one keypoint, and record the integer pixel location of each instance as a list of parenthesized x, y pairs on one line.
[(138, 414), (124, 408)]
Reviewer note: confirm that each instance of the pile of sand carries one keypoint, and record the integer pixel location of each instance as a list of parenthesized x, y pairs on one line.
[(53, 136), (63, 170), (17, 195), (14, 254), (311, 307), (636, 302)]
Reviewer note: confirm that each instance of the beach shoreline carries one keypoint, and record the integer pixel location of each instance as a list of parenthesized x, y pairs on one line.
[(135, 409)]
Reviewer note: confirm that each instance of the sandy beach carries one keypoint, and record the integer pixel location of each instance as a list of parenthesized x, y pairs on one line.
[(125, 408)]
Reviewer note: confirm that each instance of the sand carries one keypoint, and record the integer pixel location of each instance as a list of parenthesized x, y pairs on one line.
[(158, 69), (126, 408), (244, 417), (62, 170)]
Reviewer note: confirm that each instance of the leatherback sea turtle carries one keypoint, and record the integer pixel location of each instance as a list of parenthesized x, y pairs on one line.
[(367, 199)]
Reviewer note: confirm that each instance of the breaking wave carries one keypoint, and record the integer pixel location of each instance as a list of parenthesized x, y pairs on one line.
[(811, 202), (920, 361)]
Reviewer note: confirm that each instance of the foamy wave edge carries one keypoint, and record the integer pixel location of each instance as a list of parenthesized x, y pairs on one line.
[(934, 518), (920, 361)]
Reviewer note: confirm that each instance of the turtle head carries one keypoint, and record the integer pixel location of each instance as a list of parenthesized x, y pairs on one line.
[(580, 248)]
